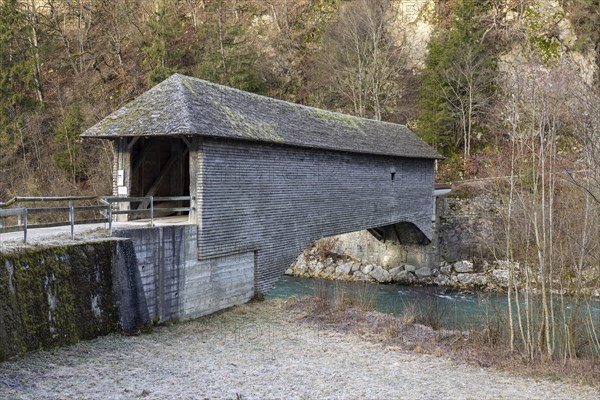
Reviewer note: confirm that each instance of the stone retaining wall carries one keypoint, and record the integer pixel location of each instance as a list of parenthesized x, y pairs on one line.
[(53, 296)]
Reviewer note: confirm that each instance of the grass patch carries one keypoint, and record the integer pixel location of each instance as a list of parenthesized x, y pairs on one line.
[(419, 329)]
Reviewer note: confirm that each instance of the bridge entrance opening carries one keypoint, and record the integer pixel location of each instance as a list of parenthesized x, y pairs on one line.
[(160, 167)]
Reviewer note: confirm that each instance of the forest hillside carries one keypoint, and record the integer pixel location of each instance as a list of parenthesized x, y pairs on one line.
[(446, 68)]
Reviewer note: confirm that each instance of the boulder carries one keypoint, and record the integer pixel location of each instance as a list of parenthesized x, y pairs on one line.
[(465, 279), (404, 277), (446, 269), (423, 272), (380, 274), (463, 267), (479, 279), (441, 280), (300, 263), (472, 279), (344, 269), (395, 271), (289, 271), (409, 268), (367, 269), (355, 266), (500, 276), (359, 276), (318, 267)]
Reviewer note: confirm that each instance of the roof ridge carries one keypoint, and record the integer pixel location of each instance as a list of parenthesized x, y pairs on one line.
[(184, 105), (267, 98), (181, 93)]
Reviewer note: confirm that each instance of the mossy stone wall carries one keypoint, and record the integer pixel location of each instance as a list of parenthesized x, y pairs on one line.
[(56, 296)]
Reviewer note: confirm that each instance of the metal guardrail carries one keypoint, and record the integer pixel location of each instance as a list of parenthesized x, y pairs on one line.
[(104, 205)]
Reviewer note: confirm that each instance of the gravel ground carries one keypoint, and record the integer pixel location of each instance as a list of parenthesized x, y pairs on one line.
[(257, 351)]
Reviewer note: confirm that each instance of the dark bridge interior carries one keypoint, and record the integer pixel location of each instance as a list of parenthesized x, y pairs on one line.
[(402, 232), (160, 168)]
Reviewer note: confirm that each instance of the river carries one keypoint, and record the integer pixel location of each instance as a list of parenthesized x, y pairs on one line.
[(450, 308)]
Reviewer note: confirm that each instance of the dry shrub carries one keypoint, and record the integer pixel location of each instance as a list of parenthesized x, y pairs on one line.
[(365, 297), (429, 312), (322, 298), (326, 248)]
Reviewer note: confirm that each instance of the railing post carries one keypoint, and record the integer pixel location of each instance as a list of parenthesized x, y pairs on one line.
[(110, 218), (151, 210), (24, 225), (72, 219), (191, 209), (19, 214)]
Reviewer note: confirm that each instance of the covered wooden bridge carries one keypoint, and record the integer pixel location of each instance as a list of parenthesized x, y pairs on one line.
[(267, 177)]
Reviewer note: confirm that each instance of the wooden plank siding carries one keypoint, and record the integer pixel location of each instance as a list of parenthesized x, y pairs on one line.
[(276, 199)]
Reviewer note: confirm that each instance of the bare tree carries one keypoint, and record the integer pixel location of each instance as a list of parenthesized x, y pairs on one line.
[(466, 89), (35, 46), (551, 226), (360, 61)]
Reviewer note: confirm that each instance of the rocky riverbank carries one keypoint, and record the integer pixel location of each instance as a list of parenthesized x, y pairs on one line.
[(465, 275)]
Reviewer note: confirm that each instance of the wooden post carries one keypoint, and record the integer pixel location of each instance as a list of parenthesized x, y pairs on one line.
[(151, 210), (123, 165)]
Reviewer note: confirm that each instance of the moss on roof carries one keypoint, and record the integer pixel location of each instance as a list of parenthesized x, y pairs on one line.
[(182, 105)]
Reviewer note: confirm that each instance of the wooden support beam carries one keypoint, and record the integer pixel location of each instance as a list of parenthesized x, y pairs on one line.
[(132, 143), (376, 233), (163, 173), (397, 234)]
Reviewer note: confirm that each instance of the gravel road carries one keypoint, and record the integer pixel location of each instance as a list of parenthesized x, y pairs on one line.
[(257, 351)]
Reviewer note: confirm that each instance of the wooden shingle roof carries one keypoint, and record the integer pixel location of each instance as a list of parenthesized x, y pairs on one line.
[(182, 105)]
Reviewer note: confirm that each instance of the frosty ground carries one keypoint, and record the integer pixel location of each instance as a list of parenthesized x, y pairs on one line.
[(258, 351)]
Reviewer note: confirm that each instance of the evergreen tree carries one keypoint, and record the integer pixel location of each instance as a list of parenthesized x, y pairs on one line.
[(458, 82), (68, 154), (161, 53), (225, 53), (17, 72)]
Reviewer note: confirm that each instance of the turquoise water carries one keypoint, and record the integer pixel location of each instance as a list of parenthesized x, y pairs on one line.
[(453, 309)]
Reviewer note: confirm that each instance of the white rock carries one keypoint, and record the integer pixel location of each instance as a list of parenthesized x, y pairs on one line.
[(472, 279), (441, 280), (501, 277), (409, 268), (423, 272), (344, 268), (318, 267), (465, 279), (463, 266), (446, 269), (289, 271), (480, 279), (301, 263), (367, 269), (404, 277), (355, 266), (395, 271), (380, 274), (359, 276)]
